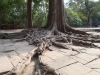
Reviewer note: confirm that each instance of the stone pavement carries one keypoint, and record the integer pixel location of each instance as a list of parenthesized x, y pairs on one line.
[(12, 53), (85, 61), (11, 31)]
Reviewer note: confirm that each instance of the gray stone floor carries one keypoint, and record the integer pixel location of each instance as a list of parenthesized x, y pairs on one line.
[(66, 62), (12, 53)]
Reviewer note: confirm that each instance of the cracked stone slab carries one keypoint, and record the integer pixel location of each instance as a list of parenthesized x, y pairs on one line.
[(78, 47), (68, 52), (25, 43), (1, 42), (10, 48), (45, 59), (93, 51), (53, 48), (98, 70), (93, 73), (84, 58), (5, 64), (18, 44), (7, 42), (61, 62), (1, 48), (14, 58), (54, 54), (74, 69), (94, 64), (24, 50)]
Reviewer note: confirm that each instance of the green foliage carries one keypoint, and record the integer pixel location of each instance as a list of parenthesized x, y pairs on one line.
[(81, 10), (40, 12), (73, 18), (13, 12)]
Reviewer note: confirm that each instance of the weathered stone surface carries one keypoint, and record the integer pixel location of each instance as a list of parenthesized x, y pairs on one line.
[(84, 58), (79, 59), (11, 31), (94, 64), (74, 69), (24, 50), (1, 42), (98, 70), (54, 54), (61, 62), (1, 48), (25, 43), (5, 64), (68, 52), (98, 44), (93, 51), (30, 69), (45, 59), (7, 42), (53, 48), (93, 73), (18, 44), (14, 58), (77, 47), (10, 48)]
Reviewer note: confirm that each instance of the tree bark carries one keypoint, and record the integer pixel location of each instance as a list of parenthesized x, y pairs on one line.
[(29, 14), (89, 11), (56, 18)]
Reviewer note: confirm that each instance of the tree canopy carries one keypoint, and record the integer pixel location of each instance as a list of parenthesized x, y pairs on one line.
[(78, 12)]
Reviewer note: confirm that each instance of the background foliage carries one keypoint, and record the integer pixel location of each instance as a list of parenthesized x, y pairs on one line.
[(15, 12)]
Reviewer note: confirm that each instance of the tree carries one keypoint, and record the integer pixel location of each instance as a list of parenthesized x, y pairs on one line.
[(43, 38), (40, 12), (72, 17), (56, 18), (29, 14), (85, 9), (13, 12), (89, 11)]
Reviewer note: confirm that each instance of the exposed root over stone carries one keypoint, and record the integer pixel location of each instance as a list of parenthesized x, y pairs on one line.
[(43, 39)]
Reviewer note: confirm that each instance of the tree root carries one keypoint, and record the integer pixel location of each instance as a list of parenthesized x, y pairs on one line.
[(43, 39), (21, 65), (83, 43), (60, 45)]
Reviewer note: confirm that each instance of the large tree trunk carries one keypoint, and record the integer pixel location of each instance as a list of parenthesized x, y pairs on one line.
[(56, 17), (29, 14), (89, 11), (89, 22)]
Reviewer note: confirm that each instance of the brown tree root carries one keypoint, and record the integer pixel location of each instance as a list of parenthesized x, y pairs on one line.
[(83, 43), (39, 69), (43, 39), (21, 65), (43, 69), (50, 38), (60, 45)]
